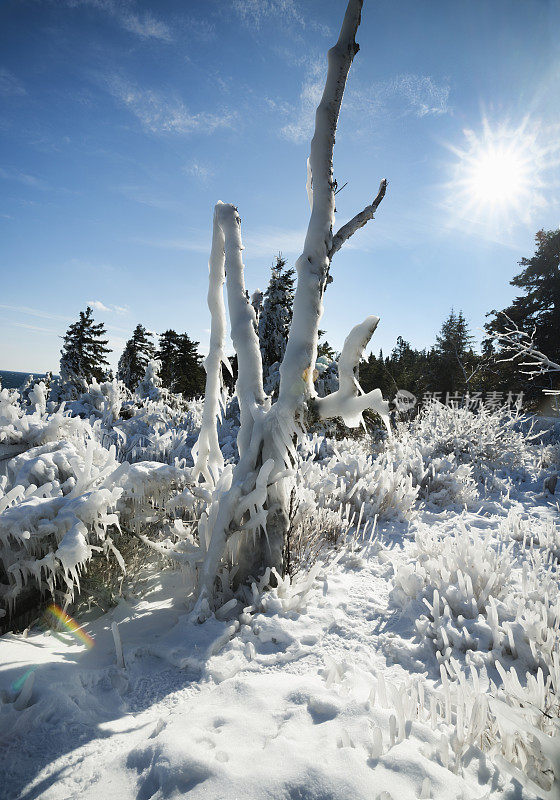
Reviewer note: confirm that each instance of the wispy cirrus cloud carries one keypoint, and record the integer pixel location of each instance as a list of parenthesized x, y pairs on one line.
[(34, 312), (199, 170), (145, 196), (300, 126), (403, 95), (161, 113), (22, 177), (145, 25), (419, 95), (264, 242), (254, 12), (10, 85), (36, 328)]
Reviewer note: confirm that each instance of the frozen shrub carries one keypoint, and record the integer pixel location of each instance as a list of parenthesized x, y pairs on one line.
[(344, 472), (464, 566), (54, 512), (150, 387), (453, 453)]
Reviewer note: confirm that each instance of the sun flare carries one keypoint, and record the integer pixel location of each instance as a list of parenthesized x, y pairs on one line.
[(497, 175)]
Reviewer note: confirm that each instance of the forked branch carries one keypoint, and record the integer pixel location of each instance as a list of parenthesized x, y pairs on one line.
[(357, 222)]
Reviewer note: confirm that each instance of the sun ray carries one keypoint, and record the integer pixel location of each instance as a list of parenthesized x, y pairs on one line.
[(498, 175)]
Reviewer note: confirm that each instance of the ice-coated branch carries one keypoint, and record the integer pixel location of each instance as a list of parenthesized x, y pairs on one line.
[(296, 372), (349, 401), (523, 346), (207, 456), (357, 222), (249, 388)]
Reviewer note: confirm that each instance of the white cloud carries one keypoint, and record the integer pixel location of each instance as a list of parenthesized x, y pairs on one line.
[(146, 26), (162, 114), (199, 170), (10, 85), (145, 197), (99, 306)]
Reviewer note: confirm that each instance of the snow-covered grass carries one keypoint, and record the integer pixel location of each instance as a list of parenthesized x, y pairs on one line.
[(413, 650)]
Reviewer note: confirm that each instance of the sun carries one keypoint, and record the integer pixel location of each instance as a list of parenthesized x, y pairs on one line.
[(497, 175)]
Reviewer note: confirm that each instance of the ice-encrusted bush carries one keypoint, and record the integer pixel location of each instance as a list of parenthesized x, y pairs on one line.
[(496, 593), (155, 432), (341, 473), (22, 427), (451, 452), (54, 512), (460, 569), (63, 493)]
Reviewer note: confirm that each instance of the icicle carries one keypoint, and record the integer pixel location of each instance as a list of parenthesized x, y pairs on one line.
[(118, 645)]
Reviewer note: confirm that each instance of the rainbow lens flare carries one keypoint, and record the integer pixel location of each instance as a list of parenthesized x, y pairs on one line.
[(71, 625), (17, 685)]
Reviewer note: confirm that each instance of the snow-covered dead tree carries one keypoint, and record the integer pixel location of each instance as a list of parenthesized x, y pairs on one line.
[(246, 521), (521, 346)]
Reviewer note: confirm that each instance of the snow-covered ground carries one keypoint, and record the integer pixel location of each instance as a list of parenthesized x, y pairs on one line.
[(418, 658), (321, 694)]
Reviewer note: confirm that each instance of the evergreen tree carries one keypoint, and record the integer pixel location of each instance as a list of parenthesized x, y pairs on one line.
[(138, 351), (452, 360), (188, 372), (181, 364), (84, 350), (324, 348), (276, 313), (537, 309), (167, 355)]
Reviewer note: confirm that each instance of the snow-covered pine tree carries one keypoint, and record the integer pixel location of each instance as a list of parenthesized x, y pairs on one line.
[(276, 316), (84, 350), (138, 352), (247, 519)]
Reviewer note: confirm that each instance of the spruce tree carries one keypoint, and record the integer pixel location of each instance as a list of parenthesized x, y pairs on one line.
[(84, 350), (181, 364), (276, 314), (188, 372), (324, 348), (138, 351), (452, 360), (167, 355)]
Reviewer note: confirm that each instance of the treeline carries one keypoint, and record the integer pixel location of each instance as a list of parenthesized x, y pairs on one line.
[(450, 368), (85, 351)]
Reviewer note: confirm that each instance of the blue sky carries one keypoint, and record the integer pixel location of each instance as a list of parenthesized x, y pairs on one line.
[(122, 122)]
